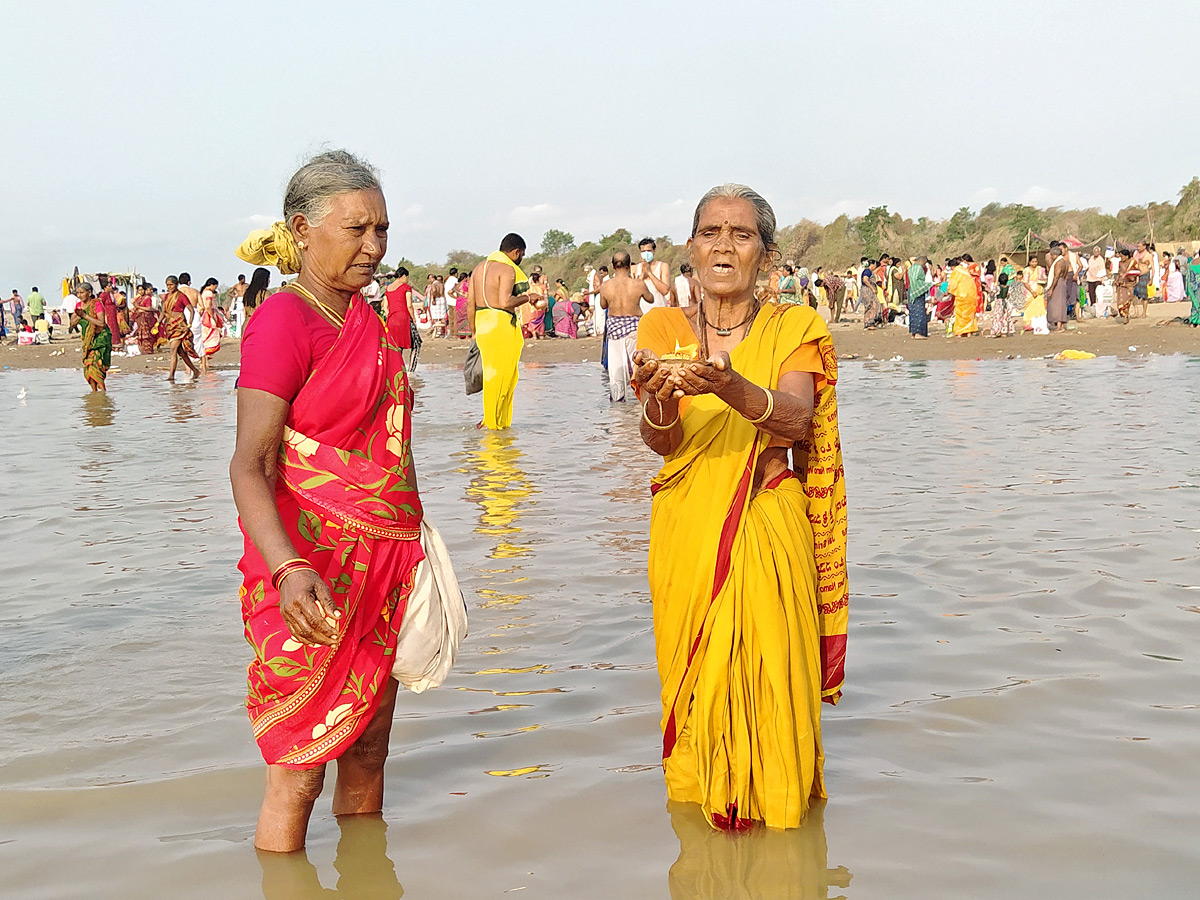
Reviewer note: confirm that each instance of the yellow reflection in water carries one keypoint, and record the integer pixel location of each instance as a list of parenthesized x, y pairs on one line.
[(527, 771), (540, 667), (499, 486), (762, 864), (362, 864), (499, 707), (502, 491)]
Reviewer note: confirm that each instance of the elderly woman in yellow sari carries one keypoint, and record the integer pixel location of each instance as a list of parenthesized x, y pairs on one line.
[(747, 546)]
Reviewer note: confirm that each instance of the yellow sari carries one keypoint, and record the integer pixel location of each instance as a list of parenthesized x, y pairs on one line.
[(749, 592), (966, 300), (498, 334)]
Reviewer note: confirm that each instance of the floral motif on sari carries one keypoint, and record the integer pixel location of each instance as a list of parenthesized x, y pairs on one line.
[(347, 494)]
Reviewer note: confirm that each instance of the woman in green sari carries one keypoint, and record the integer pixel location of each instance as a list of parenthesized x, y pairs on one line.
[(97, 338), (787, 286), (1191, 284)]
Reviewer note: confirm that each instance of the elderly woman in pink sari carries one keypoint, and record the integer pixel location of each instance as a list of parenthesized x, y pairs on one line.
[(326, 490)]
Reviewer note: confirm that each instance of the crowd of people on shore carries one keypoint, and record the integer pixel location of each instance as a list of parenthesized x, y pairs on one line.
[(187, 322), (1040, 296)]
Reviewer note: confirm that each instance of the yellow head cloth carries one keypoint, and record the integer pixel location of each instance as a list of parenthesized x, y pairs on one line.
[(274, 246)]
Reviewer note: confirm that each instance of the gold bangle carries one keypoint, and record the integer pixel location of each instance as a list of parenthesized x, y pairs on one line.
[(770, 408), (666, 427)]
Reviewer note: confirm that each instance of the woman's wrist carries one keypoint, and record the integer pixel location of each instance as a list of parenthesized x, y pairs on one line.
[(660, 414), (737, 392)]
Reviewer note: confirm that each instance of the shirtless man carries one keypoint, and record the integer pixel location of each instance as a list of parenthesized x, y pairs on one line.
[(185, 285), (236, 303), (1143, 262), (656, 274), (623, 297), (238, 291), (685, 292), (493, 287), (438, 311), (185, 288)]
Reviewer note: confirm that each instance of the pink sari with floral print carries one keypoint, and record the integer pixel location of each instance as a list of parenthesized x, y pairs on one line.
[(347, 493)]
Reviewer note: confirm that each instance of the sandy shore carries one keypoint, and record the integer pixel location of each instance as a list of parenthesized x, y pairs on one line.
[(1155, 334)]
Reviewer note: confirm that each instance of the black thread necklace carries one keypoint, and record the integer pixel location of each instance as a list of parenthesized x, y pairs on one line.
[(723, 332)]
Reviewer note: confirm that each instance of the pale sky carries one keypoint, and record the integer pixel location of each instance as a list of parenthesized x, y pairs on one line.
[(158, 135)]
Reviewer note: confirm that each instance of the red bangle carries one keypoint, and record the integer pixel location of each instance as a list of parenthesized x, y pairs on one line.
[(287, 568)]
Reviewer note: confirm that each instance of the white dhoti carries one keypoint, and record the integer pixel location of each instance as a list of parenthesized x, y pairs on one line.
[(622, 342), (599, 317)]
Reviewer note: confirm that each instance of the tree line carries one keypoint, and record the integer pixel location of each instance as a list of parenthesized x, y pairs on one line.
[(994, 230)]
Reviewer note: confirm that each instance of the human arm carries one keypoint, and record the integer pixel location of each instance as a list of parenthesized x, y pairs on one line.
[(791, 406), (659, 391), (83, 314), (304, 599), (653, 271)]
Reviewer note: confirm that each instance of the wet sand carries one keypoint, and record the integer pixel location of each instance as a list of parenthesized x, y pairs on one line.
[(1154, 335)]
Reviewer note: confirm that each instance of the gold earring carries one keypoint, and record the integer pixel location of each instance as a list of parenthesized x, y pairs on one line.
[(302, 245)]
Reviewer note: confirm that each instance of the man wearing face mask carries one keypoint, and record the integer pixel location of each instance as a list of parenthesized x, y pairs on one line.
[(656, 274)]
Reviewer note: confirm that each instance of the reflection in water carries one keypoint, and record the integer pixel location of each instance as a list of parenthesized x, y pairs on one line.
[(498, 487), (98, 409), (763, 864), (183, 402), (364, 870)]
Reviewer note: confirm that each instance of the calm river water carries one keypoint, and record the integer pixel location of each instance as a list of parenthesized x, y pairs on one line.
[(1022, 711)]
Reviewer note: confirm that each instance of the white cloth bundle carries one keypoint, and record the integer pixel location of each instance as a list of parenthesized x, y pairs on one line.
[(435, 619)]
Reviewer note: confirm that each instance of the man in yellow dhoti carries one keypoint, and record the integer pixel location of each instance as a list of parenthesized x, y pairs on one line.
[(747, 547), (963, 289), (498, 288)]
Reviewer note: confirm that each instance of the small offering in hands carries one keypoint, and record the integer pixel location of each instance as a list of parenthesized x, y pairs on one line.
[(679, 356)]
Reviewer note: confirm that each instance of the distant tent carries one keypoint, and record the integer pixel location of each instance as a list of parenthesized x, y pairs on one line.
[(126, 280), (1034, 242)]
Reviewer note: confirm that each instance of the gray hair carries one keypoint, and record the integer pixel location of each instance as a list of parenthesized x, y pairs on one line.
[(764, 216), (311, 190)]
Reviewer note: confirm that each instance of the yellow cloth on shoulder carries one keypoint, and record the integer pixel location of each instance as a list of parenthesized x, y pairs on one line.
[(274, 246), (750, 593), (498, 334)]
